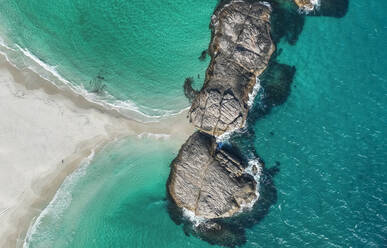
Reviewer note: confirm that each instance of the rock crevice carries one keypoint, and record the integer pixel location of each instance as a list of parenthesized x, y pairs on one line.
[(205, 179), (210, 182), (240, 51)]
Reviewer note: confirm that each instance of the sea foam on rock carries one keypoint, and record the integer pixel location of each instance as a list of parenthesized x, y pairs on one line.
[(240, 50), (210, 181), (207, 180), (307, 5)]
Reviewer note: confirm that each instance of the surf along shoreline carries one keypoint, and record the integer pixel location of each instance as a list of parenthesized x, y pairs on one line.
[(28, 89), (47, 133)]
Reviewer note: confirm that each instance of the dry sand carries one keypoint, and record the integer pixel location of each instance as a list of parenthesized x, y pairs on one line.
[(45, 134)]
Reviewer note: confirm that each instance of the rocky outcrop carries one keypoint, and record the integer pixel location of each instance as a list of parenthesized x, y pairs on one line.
[(240, 50), (207, 180), (210, 182), (307, 5)]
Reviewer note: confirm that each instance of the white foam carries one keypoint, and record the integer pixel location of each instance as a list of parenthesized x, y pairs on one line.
[(249, 169), (224, 137), (315, 6), (195, 220), (254, 93), (3, 44), (118, 105), (61, 200), (266, 4), (315, 2), (127, 107), (6, 57), (45, 66), (257, 177), (157, 136)]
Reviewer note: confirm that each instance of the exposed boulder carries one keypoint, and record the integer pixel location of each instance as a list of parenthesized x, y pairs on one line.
[(307, 5), (210, 182), (240, 50)]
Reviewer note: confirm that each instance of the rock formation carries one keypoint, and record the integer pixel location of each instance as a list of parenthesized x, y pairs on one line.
[(210, 182), (307, 5), (240, 50), (205, 179)]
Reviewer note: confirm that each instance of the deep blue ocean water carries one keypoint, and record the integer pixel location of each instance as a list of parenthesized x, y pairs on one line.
[(328, 139)]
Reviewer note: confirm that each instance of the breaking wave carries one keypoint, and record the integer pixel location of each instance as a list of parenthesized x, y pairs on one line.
[(157, 136), (59, 203), (23, 58)]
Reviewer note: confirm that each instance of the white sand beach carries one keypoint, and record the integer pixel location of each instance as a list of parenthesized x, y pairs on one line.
[(45, 133)]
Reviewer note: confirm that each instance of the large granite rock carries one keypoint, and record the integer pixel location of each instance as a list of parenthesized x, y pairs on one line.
[(240, 50), (210, 182)]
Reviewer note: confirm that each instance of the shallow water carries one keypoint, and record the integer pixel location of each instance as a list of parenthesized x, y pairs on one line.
[(116, 201), (329, 140), (143, 49)]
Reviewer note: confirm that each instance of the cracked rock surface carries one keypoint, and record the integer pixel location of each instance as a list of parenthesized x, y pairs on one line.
[(207, 180), (240, 50), (210, 182)]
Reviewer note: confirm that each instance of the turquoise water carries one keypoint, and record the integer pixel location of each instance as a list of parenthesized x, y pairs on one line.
[(143, 49), (329, 138), (116, 201)]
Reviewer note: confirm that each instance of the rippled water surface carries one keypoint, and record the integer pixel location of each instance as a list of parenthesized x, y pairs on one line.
[(328, 139), (143, 49)]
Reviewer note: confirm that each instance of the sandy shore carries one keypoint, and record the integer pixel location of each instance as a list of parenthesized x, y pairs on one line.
[(45, 134)]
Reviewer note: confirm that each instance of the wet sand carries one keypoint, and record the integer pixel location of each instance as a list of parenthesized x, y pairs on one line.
[(45, 134)]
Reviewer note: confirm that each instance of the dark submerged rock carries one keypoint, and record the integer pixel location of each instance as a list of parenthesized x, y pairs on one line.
[(203, 55), (210, 182), (286, 21), (206, 177), (230, 232), (240, 50), (189, 91), (276, 83), (332, 8)]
